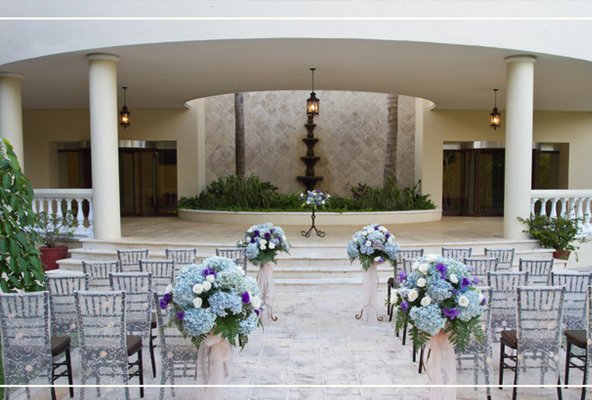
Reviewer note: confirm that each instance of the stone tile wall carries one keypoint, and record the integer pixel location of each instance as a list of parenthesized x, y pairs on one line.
[(351, 127)]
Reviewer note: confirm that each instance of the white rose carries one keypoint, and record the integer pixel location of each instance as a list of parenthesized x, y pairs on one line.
[(256, 302), (284, 238), (463, 301), (413, 294), (370, 231), (262, 242), (250, 230), (426, 301), (272, 245), (415, 266), (423, 268), (378, 259), (453, 278), (210, 278), (169, 289), (197, 288), (394, 296), (307, 201), (431, 258), (390, 239), (239, 268), (421, 282), (354, 238), (368, 243), (207, 286), (323, 202), (364, 233), (197, 302)]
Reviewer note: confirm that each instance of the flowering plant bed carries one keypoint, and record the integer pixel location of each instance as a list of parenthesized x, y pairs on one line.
[(439, 294), (314, 199), (214, 297), (263, 242), (373, 244)]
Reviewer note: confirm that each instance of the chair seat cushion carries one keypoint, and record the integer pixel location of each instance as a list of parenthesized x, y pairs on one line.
[(509, 337), (59, 344), (576, 337), (134, 343)]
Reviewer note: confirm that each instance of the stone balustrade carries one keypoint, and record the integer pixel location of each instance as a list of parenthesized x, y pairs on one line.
[(60, 201), (572, 203)]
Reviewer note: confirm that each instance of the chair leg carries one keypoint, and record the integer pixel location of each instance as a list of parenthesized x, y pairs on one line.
[(515, 391), (141, 369), (583, 396), (151, 348), (559, 393), (501, 368), (567, 359), (53, 393), (421, 359), (70, 378), (405, 336), (388, 301), (414, 353)]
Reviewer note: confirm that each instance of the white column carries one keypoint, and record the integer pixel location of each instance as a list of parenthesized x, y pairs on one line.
[(104, 151), (519, 109), (11, 113)]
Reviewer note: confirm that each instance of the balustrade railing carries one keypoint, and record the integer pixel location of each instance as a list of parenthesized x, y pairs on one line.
[(61, 201), (570, 203)]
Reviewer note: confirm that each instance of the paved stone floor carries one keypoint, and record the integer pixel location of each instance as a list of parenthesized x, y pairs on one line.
[(317, 341)]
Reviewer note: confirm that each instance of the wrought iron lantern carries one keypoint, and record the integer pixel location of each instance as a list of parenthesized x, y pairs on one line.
[(312, 104), (495, 118), (124, 114)]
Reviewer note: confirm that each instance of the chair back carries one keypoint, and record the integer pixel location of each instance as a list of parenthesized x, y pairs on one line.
[(98, 273), (503, 299), (26, 345), (182, 257), (138, 300), (505, 257), (412, 254), (163, 273), (481, 266), (576, 297), (64, 321), (457, 253), (238, 255), (130, 259), (539, 271), (103, 350), (178, 353), (538, 333)]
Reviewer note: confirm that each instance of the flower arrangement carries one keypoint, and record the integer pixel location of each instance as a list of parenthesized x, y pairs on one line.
[(214, 297), (314, 199), (373, 244), (439, 294), (263, 242)]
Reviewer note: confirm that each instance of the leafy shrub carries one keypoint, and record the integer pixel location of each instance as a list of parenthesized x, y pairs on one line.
[(235, 193)]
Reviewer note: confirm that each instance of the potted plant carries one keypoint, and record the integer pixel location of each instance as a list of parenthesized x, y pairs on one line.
[(559, 233), (54, 227)]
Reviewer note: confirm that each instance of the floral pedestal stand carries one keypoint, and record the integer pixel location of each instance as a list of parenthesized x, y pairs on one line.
[(441, 367), (214, 362), (308, 232), (370, 300), (267, 288)]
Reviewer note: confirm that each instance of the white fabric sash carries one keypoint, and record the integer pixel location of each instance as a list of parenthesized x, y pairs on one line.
[(267, 286), (369, 294), (441, 367), (214, 362)]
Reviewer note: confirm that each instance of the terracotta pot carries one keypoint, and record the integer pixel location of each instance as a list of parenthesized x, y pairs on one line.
[(50, 256), (561, 254)]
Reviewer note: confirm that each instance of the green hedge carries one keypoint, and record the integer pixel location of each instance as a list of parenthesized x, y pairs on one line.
[(235, 193)]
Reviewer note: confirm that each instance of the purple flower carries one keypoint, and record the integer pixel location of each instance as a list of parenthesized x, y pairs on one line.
[(257, 312), (475, 280), (267, 235), (208, 271), (470, 268), (256, 232), (387, 235), (450, 313), (454, 291), (167, 297), (253, 240), (180, 315), (377, 227), (404, 306), (402, 276), (163, 304), (442, 269), (246, 298), (484, 301), (464, 283)]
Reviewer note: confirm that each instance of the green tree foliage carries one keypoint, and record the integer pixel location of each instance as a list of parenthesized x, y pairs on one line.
[(20, 265)]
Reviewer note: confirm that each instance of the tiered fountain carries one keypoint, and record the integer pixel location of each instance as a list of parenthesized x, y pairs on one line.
[(312, 108)]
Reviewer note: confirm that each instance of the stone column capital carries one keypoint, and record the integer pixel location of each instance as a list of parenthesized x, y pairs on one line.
[(102, 56), (5, 74), (521, 58)]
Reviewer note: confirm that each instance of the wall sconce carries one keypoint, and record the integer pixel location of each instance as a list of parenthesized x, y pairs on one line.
[(312, 104), (495, 118), (124, 114)]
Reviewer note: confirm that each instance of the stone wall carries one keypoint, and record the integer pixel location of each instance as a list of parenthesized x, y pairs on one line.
[(351, 129)]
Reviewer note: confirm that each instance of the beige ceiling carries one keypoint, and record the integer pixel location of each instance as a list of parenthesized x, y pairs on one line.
[(167, 75)]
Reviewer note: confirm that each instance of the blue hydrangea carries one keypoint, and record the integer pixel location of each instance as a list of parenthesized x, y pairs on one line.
[(439, 289), (251, 286), (183, 291), (231, 279), (428, 319), (198, 321), (252, 251), (249, 324), (218, 264), (391, 250), (220, 302), (352, 250), (474, 308)]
